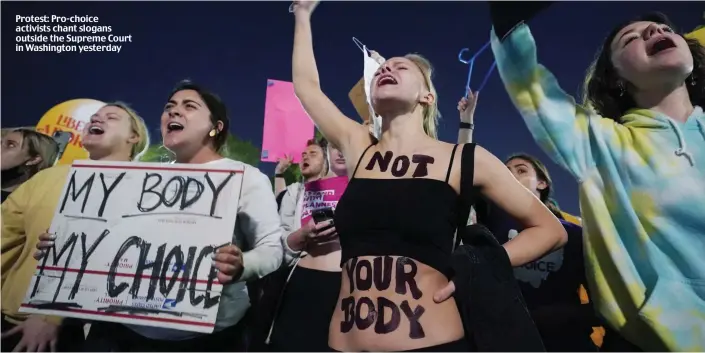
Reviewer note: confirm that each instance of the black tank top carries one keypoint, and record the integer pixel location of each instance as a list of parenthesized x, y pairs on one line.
[(415, 218)]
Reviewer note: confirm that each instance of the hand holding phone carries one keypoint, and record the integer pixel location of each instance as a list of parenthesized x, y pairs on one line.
[(322, 215), (323, 232)]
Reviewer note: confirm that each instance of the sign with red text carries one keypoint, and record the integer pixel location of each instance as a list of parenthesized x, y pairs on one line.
[(322, 193), (134, 243), (70, 116)]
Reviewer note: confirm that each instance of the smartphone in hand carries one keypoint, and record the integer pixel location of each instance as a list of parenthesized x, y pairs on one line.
[(322, 215)]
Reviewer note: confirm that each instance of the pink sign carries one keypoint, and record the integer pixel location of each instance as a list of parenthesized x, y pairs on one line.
[(287, 127), (321, 194)]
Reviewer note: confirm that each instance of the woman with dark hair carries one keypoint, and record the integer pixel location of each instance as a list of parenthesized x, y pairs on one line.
[(397, 221), (638, 151), (25, 152), (551, 284), (194, 127)]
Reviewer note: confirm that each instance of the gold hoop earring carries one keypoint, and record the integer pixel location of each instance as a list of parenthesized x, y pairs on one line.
[(212, 133)]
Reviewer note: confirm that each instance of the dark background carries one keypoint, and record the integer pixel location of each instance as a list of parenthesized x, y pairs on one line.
[(232, 48)]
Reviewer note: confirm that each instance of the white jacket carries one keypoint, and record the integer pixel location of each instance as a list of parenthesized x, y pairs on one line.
[(290, 213), (257, 232)]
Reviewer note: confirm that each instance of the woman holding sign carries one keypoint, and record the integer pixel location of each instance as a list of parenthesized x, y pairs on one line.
[(114, 133), (194, 127), (637, 150), (397, 219)]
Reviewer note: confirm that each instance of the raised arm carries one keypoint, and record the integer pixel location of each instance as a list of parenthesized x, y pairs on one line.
[(542, 232), (466, 108), (279, 180), (557, 123), (336, 127)]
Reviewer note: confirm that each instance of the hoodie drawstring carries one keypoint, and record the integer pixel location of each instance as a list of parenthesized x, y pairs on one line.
[(682, 149), (281, 296)]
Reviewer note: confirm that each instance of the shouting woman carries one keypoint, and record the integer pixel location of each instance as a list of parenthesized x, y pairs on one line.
[(194, 127), (638, 151), (114, 133), (397, 219)]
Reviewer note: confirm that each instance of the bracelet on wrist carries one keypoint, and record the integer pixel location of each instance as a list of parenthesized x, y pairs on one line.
[(279, 175), (464, 125)]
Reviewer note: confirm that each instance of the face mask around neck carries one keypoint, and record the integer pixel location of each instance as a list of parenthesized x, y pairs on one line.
[(371, 65)]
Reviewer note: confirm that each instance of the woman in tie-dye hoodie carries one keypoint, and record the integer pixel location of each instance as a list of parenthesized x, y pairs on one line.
[(638, 154)]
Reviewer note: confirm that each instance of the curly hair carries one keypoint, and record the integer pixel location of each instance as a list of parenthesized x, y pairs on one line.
[(603, 90)]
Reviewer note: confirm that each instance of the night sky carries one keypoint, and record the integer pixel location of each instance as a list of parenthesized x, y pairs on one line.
[(232, 48)]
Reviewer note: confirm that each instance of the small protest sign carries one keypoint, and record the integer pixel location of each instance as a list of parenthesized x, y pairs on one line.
[(134, 243), (359, 100), (321, 194), (71, 117), (287, 126)]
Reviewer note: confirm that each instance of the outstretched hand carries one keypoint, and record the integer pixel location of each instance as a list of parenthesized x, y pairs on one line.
[(304, 7), (283, 164)]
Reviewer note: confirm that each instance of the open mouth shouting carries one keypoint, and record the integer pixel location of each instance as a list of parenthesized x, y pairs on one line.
[(386, 79), (95, 130), (173, 126), (660, 45)]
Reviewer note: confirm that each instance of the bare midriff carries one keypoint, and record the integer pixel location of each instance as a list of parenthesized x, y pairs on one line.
[(386, 304), (323, 257)]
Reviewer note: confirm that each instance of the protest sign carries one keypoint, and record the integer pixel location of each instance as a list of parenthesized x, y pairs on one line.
[(287, 126), (70, 116), (698, 34), (359, 100), (322, 193), (133, 244)]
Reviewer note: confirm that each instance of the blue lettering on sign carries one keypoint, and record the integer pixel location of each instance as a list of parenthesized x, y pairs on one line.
[(174, 267), (169, 303)]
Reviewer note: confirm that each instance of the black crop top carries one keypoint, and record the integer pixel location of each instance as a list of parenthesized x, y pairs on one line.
[(415, 218)]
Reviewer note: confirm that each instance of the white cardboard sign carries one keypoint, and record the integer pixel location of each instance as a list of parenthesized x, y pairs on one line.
[(134, 243)]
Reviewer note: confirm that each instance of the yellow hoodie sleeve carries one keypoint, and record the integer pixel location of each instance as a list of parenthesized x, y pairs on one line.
[(13, 232), (14, 235)]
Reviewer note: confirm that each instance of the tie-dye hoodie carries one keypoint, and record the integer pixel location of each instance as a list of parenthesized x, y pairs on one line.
[(642, 199)]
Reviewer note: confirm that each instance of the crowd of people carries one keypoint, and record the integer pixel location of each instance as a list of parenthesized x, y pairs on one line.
[(467, 254)]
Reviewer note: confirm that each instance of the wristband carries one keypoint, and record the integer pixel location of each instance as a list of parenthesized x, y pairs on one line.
[(464, 125), (279, 175)]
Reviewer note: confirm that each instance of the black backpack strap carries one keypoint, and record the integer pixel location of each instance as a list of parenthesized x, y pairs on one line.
[(467, 188)]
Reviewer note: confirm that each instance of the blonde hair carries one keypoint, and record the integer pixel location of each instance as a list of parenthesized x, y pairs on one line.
[(138, 127), (430, 111), (38, 145)]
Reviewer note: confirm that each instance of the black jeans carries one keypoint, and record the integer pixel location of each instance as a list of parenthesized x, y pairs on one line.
[(71, 337), (113, 337)]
